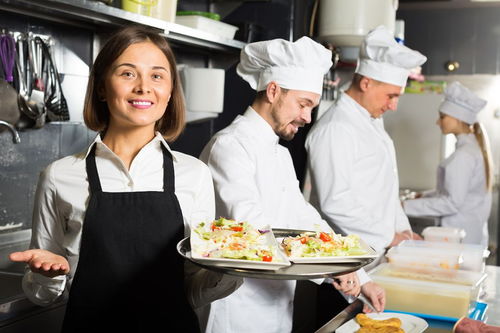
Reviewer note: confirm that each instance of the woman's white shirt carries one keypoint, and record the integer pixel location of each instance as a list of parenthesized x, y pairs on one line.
[(62, 197), (461, 199)]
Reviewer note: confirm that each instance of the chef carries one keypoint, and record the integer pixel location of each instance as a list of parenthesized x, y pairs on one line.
[(351, 157), (464, 179), (255, 181)]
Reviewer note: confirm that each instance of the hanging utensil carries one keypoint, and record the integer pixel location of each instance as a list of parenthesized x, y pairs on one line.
[(8, 55), (9, 110), (37, 94), (28, 108), (55, 102)]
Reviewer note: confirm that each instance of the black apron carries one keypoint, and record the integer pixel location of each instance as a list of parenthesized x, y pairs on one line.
[(130, 277)]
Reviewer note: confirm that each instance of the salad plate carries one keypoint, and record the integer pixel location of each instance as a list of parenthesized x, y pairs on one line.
[(230, 243), (327, 248), (409, 323)]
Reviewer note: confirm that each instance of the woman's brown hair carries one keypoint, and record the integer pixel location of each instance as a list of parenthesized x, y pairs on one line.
[(96, 112)]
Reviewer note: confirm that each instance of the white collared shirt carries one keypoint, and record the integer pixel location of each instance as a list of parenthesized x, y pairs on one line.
[(354, 175), (62, 197), (461, 198)]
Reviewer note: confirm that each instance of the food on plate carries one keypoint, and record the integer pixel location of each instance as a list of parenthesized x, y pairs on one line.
[(231, 239), (368, 324), (322, 244)]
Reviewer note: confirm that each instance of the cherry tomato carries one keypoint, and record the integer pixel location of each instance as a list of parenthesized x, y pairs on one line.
[(325, 237), (267, 258)]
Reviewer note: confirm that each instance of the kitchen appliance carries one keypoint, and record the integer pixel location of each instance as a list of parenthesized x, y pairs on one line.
[(203, 91), (344, 23)]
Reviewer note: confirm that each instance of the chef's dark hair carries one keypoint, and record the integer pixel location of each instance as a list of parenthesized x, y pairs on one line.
[(96, 112)]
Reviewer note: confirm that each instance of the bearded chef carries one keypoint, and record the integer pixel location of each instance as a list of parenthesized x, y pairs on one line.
[(255, 181)]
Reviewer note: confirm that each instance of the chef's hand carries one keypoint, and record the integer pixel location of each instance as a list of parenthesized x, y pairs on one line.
[(376, 294), (348, 284), (404, 235), (42, 261)]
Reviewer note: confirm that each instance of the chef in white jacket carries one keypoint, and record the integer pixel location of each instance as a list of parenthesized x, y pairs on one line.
[(255, 181), (351, 157), (462, 198)]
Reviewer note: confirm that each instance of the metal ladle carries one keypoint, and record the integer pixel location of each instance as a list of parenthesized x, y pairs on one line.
[(25, 104)]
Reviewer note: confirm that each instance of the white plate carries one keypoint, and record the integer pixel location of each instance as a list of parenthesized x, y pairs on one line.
[(370, 253), (409, 323), (282, 260)]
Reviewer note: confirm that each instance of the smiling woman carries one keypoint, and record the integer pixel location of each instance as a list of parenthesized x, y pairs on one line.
[(155, 71), (107, 220)]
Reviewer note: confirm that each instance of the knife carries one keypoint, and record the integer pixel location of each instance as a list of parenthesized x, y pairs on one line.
[(366, 301)]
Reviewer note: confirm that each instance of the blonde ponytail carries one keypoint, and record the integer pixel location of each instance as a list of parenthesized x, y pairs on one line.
[(484, 145)]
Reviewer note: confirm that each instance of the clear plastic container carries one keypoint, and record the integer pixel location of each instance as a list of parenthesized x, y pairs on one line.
[(208, 25), (424, 258), (427, 295), (473, 255), (443, 234)]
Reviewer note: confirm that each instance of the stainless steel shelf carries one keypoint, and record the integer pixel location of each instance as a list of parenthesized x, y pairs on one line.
[(96, 14)]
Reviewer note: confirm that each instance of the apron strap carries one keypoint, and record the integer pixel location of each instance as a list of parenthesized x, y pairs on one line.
[(168, 170), (92, 175)]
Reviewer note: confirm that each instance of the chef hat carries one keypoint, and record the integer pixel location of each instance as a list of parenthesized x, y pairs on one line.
[(383, 59), (298, 65), (461, 103)]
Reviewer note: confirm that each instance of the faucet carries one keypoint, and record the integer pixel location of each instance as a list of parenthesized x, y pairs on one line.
[(15, 134)]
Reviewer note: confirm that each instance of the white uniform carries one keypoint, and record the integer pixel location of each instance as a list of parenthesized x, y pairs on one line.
[(354, 174), (461, 198), (255, 181)]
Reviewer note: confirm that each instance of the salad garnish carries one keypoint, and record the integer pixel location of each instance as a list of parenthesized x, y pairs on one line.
[(322, 244), (228, 238)]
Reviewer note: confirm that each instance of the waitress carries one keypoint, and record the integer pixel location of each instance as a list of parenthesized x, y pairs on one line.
[(107, 220), (463, 195)]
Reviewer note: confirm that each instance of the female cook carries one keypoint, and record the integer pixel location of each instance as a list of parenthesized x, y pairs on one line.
[(463, 195)]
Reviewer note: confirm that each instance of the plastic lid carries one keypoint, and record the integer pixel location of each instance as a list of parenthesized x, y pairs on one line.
[(444, 231), (209, 15)]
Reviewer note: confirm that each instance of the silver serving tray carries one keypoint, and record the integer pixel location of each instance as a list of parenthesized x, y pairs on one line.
[(294, 272)]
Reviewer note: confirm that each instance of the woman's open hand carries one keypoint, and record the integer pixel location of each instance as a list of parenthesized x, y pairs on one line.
[(42, 261)]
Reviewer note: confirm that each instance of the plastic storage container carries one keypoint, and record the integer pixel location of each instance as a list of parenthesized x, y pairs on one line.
[(443, 234), (208, 25), (425, 294), (165, 10), (425, 257), (473, 255), (143, 7)]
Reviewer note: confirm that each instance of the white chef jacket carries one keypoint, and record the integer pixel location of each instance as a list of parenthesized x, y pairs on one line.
[(62, 196), (354, 176), (255, 181), (461, 199)]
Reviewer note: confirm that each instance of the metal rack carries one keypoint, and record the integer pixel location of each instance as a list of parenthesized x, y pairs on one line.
[(92, 14)]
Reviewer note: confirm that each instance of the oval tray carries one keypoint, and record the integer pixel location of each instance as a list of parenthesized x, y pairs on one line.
[(293, 272)]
